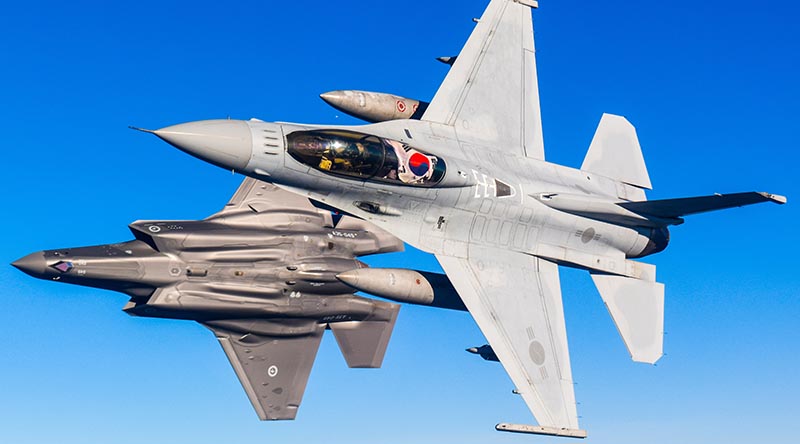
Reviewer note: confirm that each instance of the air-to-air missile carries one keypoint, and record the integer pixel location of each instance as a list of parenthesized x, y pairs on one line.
[(447, 60), (484, 351), (375, 106), (267, 275)]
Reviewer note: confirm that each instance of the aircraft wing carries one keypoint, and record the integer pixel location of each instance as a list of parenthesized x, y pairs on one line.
[(278, 208), (490, 95), (516, 300), (272, 370), (255, 196)]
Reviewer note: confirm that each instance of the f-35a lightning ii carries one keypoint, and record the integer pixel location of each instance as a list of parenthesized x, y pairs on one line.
[(469, 183), (267, 274)]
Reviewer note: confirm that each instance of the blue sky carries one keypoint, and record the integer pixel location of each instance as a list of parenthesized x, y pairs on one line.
[(710, 85)]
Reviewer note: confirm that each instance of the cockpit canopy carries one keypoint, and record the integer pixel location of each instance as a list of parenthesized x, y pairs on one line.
[(365, 157)]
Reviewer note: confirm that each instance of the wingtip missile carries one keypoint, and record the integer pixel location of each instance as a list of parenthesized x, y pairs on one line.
[(484, 351), (540, 430), (447, 60)]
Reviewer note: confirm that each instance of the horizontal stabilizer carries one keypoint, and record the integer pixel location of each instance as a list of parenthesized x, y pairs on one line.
[(363, 343), (637, 308), (273, 370), (615, 153), (674, 208)]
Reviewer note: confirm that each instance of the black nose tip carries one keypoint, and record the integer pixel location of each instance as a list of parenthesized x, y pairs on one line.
[(33, 264)]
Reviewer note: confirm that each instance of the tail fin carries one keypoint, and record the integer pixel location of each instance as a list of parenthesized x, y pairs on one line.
[(615, 153), (363, 343), (637, 308)]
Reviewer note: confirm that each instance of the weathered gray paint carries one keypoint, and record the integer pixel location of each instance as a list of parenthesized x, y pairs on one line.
[(502, 219), (262, 275)]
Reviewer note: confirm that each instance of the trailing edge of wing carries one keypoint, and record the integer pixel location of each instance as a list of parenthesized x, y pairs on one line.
[(516, 301), (490, 95)]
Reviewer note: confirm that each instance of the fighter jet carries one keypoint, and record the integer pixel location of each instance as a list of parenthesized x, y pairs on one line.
[(267, 274), (469, 183)]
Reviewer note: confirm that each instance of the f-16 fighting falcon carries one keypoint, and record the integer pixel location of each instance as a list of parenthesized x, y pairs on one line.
[(267, 275), (468, 182)]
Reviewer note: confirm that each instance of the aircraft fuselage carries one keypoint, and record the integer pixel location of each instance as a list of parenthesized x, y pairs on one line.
[(501, 206)]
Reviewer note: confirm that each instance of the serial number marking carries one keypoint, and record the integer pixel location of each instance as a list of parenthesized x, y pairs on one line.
[(344, 234), (334, 318)]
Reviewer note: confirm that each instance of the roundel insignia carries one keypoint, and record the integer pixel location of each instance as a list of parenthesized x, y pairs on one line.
[(419, 164), (401, 106)]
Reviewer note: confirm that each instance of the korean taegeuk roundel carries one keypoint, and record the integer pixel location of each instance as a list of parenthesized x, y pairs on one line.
[(419, 164)]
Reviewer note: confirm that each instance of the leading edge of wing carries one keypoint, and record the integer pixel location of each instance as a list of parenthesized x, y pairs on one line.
[(516, 301)]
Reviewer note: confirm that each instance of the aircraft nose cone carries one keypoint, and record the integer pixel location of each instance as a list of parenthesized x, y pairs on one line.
[(225, 143), (33, 264)]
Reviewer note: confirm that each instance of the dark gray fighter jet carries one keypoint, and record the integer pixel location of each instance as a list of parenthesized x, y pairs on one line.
[(267, 274)]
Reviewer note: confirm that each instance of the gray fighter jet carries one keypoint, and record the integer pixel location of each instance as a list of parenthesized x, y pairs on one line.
[(469, 183), (267, 275)]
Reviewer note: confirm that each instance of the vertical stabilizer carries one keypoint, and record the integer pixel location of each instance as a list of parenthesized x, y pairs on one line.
[(615, 153), (637, 308)]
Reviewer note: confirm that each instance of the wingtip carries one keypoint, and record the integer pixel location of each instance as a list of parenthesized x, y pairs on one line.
[(777, 198)]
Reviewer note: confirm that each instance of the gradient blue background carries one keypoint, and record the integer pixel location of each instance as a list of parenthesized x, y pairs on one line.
[(712, 87)]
